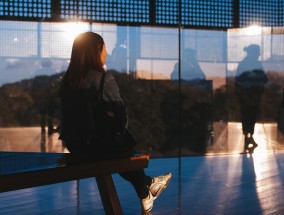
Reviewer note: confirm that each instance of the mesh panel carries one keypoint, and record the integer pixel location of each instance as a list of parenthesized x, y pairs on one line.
[(259, 12), (167, 12), (159, 43), (281, 12), (26, 8), (18, 40), (206, 13), (102, 10), (218, 13), (198, 13)]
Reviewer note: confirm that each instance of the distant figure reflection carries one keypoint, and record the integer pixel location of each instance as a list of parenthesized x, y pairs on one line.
[(249, 86), (195, 103), (118, 58), (190, 69)]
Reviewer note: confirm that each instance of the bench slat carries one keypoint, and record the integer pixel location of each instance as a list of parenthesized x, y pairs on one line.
[(38, 177), (24, 170)]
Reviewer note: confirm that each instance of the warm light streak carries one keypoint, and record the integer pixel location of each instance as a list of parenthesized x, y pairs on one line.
[(72, 29)]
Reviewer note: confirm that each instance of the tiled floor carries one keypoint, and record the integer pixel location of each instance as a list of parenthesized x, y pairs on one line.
[(218, 183)]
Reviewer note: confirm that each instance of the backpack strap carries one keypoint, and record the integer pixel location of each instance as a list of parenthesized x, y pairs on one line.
[(101, 87), (99, 98)]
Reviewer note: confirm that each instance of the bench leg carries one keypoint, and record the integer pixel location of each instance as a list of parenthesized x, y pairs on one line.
[(109, 195)]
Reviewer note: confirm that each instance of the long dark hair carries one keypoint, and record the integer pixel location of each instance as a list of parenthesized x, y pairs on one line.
[(85, 56)]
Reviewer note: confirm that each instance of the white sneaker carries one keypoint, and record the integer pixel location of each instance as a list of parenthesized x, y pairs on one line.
[(158, 185), (147, 203)]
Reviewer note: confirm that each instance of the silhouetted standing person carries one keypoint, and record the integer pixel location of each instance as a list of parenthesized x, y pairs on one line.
[(118, 59), (249, 85), (190, 68)]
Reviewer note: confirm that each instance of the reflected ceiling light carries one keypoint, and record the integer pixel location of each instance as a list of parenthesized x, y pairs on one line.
[(252, 30), (72, 29)]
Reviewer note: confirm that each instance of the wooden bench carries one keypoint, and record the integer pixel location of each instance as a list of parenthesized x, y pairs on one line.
[(19, 170)]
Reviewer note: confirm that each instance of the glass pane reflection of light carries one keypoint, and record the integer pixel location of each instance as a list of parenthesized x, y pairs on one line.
[(265, 136), (252, 30), (263, 160), (72, 29)]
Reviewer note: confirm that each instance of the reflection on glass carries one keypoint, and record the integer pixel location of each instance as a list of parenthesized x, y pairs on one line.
[(249, 86), (190, 68), (118, 58), (255, 84), (144, 62)]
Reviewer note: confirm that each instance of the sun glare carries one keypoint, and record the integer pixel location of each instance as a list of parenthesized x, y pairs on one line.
[(253, 30), (72, 29)]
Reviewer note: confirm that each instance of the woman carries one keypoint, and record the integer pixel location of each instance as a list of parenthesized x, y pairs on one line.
[(79, 88)]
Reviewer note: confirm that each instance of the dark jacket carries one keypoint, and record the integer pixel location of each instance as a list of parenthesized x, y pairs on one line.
[(76, 130), (250, 74)]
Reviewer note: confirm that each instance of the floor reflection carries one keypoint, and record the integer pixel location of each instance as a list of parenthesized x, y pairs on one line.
[(248, 189), (227, 139), (268, 180), (29, 139), (225, 184)]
